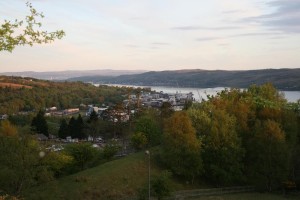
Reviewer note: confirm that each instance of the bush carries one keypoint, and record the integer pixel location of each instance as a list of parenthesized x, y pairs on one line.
[(138, 141), (110, 149), (84, 155)]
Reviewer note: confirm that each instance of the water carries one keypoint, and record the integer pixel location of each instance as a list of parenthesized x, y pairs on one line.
[(201, 93)]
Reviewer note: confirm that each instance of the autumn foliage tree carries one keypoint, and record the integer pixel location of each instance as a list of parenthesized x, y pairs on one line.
[(268, 155), (181, 148), (248, 135)]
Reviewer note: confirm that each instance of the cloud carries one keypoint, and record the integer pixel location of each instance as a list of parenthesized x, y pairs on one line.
[(285, 18), (231, 12), (160, 43), (271, 35), (203, 39), (195, 28), (132, 46), (256, 34)]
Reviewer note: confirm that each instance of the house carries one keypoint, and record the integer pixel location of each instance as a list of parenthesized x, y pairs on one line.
[(41, 137), (3, 117), (71, 111)]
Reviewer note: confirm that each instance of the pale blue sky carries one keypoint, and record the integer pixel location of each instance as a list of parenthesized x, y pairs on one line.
[(160, 35)]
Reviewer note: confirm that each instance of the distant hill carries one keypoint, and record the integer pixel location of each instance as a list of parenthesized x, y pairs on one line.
[(283, 79), (62, 75)]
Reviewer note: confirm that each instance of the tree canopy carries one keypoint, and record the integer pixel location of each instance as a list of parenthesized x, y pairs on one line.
[(31, 33)]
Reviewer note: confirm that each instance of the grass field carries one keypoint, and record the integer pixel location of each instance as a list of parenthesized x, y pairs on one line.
[(118, 179), (250, 196)]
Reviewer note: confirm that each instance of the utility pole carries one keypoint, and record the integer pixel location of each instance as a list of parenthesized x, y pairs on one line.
[(148, 153)]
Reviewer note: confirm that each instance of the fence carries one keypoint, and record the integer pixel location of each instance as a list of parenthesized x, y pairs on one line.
[(185, 194)]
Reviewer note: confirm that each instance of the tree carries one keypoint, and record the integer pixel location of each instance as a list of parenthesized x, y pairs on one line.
[(222, 151), (72, 127), (138, 140), (30, 34), (110, 149), (52, 165), (181, 148), (7, 129), (268, 155), (39, 124), (83, 153), (166, 110), (147, 125), (22, 163), (161, 185), (79, 132), (63, 131), (93, 117)]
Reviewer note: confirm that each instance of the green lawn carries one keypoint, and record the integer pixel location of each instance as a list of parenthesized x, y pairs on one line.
[(250, 196), (118, 179)]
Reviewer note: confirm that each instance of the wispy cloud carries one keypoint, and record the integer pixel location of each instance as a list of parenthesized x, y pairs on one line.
[(270, 35), (133, 46), (160, 43), (285, 18), (195, 28), (256, 34), (231, 12), (203, 39)]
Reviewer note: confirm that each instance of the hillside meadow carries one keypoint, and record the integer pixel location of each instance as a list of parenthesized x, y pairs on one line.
[(118, 179)]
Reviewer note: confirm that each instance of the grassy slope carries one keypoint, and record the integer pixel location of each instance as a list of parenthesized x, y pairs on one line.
[(118, 179), (250, 196)]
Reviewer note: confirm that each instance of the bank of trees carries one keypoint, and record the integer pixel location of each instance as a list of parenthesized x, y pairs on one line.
[(237, 137), (39, 94)]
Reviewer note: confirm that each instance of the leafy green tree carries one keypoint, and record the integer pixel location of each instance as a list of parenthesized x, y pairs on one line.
[(110, 149), (21, 161), (138, 141), (269, 155), (30, 35), (63, 131), (79, 131), (166, 110), (290, 127), (72, 127), (39, 124), (84, 155), (93, 117), (161, 185), (200, 115), (18, 161), (181, 148), (54, 164), (222, 151), (148, 125)]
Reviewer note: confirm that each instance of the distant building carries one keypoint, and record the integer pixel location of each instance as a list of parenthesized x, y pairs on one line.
[(3, 117), (71, 111), (41, 137)]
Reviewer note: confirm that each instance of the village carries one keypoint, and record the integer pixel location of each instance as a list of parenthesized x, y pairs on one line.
[(145, 100)]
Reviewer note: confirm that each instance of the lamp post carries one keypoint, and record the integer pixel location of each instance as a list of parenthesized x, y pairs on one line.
[(148, 153)]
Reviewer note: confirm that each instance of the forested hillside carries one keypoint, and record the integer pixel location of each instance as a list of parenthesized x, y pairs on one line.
[(283, 79), (27, 94), (238, 137)]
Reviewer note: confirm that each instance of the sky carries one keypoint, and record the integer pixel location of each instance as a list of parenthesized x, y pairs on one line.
[(159, 35)]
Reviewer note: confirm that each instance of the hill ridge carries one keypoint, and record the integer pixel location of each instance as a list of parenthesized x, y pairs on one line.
[(283, 79)]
